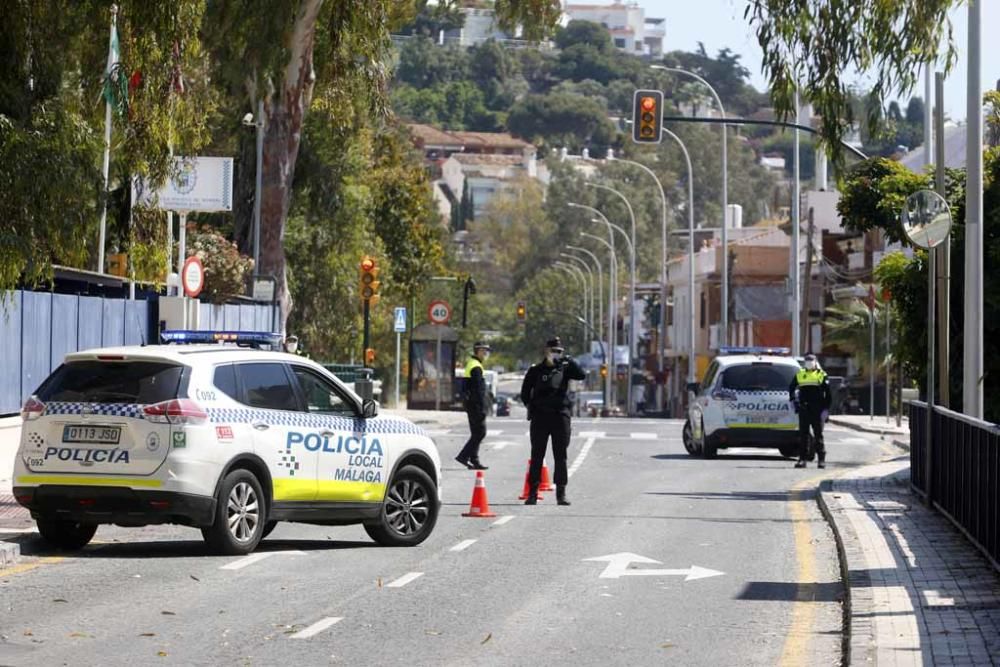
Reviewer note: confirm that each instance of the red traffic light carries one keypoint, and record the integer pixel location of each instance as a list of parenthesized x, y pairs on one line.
[(648, 103), (367, 264)]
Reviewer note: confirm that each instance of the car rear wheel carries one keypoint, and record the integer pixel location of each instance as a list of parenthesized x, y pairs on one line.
[(409, 511), (687, 438), (240, 515), (65, 534)]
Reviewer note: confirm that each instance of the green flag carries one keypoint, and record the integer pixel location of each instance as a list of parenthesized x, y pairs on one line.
[(115, 81)]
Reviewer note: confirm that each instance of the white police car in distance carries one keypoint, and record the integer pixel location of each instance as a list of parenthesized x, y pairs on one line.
[(220, 437), (743, 402)]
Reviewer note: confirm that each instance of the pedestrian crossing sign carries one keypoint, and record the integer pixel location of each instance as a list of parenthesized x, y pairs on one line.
[(400, 325)]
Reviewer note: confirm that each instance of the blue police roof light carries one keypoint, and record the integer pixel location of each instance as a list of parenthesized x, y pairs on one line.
[(242, 338), (778, 351)]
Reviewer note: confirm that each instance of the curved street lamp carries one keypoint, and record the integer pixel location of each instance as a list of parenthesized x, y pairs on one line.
[(590, 274), (600, 283), (612, 319)]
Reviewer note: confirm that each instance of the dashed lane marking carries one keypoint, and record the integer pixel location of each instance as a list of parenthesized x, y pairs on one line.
[(490, 432), (256, 558), (500, 445), (317, 627), (463, 545), (592, 434), (405, 579), (643, 436), (578, 461), (504, 519)]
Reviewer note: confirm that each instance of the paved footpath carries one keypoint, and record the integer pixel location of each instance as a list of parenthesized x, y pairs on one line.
[(920, 593)]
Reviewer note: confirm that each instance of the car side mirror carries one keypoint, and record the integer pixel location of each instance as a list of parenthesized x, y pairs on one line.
[(694, 387), (369, 408)]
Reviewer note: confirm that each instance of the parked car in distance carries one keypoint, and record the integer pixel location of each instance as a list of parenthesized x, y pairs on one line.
[(503, 406)]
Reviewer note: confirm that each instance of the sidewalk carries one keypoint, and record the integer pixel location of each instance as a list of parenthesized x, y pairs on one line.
[(919, 593), (899, 435), (13, 518)]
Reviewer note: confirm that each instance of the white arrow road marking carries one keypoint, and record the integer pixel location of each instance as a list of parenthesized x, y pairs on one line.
[(317, 627), (463, 545), (618, 566), (504, 519), (257, 557), (405, 579), (643, 436), (578, 461)]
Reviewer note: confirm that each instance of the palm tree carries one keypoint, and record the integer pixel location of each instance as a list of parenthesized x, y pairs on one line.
[(848, 326)]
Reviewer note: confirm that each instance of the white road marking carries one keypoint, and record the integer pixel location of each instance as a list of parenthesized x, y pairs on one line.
[(497, 432), (592, 434), (618, 566), (578, 461), (643, 436), (437, 432), (500, 445), (257, 557), (463, 545), (405, 579), (317, 627), (504, 519)]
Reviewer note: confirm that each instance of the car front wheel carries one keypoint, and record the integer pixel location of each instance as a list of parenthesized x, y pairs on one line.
[(409, 511)]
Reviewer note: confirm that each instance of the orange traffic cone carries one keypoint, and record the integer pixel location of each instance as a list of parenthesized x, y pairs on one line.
[(527, 483), (546, 484), (480, 506)]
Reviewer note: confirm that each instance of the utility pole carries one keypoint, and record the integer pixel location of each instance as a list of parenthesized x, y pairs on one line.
[(972, 349), (806, 342), (794, 272), (943, 257)]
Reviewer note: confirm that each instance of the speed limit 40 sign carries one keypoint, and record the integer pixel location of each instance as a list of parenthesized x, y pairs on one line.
[(439, 312)]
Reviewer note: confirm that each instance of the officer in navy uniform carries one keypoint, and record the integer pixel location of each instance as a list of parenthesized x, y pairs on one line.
[(545, 392), (813, 406), (476, 406)]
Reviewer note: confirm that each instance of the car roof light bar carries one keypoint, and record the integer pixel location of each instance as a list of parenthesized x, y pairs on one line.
[(241, 338), (779, 351)]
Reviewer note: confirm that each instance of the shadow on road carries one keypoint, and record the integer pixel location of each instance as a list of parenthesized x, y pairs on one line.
[(35, 546), (788, 591), (782, 496), (723, 456)]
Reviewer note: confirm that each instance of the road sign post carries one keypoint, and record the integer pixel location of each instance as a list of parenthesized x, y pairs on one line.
[(399, 326)]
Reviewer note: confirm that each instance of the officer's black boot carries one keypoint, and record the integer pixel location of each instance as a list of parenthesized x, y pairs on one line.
[(801, 463), (532, 495), (821, 460), (561, 495)]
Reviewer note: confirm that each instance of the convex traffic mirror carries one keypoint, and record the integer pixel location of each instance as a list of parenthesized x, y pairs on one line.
[(926, 218)]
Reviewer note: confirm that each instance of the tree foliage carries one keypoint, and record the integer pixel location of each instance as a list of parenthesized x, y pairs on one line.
[(226, 270), (873, 196), (815, 46)]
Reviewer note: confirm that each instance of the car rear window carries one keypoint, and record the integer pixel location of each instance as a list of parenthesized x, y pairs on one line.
[(139, 382), (763, 376)]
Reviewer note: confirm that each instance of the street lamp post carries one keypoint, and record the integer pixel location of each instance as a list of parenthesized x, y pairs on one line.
[(257, 123), (590, 275), (724, 323), (613, 273), (577, 275), (691, 255), (632, 339), (600, 286), (662, 338)]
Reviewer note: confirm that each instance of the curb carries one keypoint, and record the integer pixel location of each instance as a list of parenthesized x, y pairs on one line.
[(826, 486), (874, 430), (9, 553)]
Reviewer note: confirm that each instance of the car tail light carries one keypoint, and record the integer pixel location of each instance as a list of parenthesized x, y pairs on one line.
[(33, 409), (175, 411)]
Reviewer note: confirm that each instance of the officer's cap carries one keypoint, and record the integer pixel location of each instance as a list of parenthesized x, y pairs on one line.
[(554, 343), (480, 345), (810, 357)]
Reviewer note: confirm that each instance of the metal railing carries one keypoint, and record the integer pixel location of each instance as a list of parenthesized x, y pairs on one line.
[(964, 472)]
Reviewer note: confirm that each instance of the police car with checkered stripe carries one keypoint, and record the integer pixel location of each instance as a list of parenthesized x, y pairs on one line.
[(221, 435), (743, 402)]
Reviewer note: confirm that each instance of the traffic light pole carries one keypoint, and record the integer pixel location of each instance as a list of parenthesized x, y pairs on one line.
[(366, 337)]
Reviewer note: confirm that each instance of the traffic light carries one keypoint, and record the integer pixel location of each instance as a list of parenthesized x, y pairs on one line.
[(370, 356), (369, 280), (647, 116), (604, 370), (522, 312)]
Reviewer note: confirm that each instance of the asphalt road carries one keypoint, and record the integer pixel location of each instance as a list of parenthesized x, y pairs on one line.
[(521, 589)]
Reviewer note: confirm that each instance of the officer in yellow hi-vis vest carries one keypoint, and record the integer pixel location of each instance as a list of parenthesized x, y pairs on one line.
[(813, 405), (476, 406)]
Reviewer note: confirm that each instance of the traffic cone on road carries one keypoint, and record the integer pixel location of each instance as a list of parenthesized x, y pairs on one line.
[(527, 483), (480, 506), (546, 484)]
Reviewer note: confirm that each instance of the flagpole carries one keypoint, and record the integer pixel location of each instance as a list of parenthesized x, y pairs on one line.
[(107, 144)]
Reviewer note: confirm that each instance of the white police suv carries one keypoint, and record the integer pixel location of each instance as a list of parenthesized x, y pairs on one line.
[(221, 437), (743, 402)]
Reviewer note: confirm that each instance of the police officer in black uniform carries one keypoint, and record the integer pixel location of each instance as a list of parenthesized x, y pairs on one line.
[(545, 392), (813, 406), (476, 406)]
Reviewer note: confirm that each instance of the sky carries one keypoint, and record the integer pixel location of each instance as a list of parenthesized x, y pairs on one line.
[(720, 23)]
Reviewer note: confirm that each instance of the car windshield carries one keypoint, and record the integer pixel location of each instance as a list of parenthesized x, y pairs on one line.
[(759, 376), (139, 382)]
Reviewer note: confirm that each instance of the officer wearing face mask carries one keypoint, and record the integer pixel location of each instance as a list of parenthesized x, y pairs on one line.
[(545, 392), (475, 406), (813, 406)]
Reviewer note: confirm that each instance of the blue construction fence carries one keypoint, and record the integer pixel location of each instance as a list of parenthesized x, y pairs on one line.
[(38, 329)]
